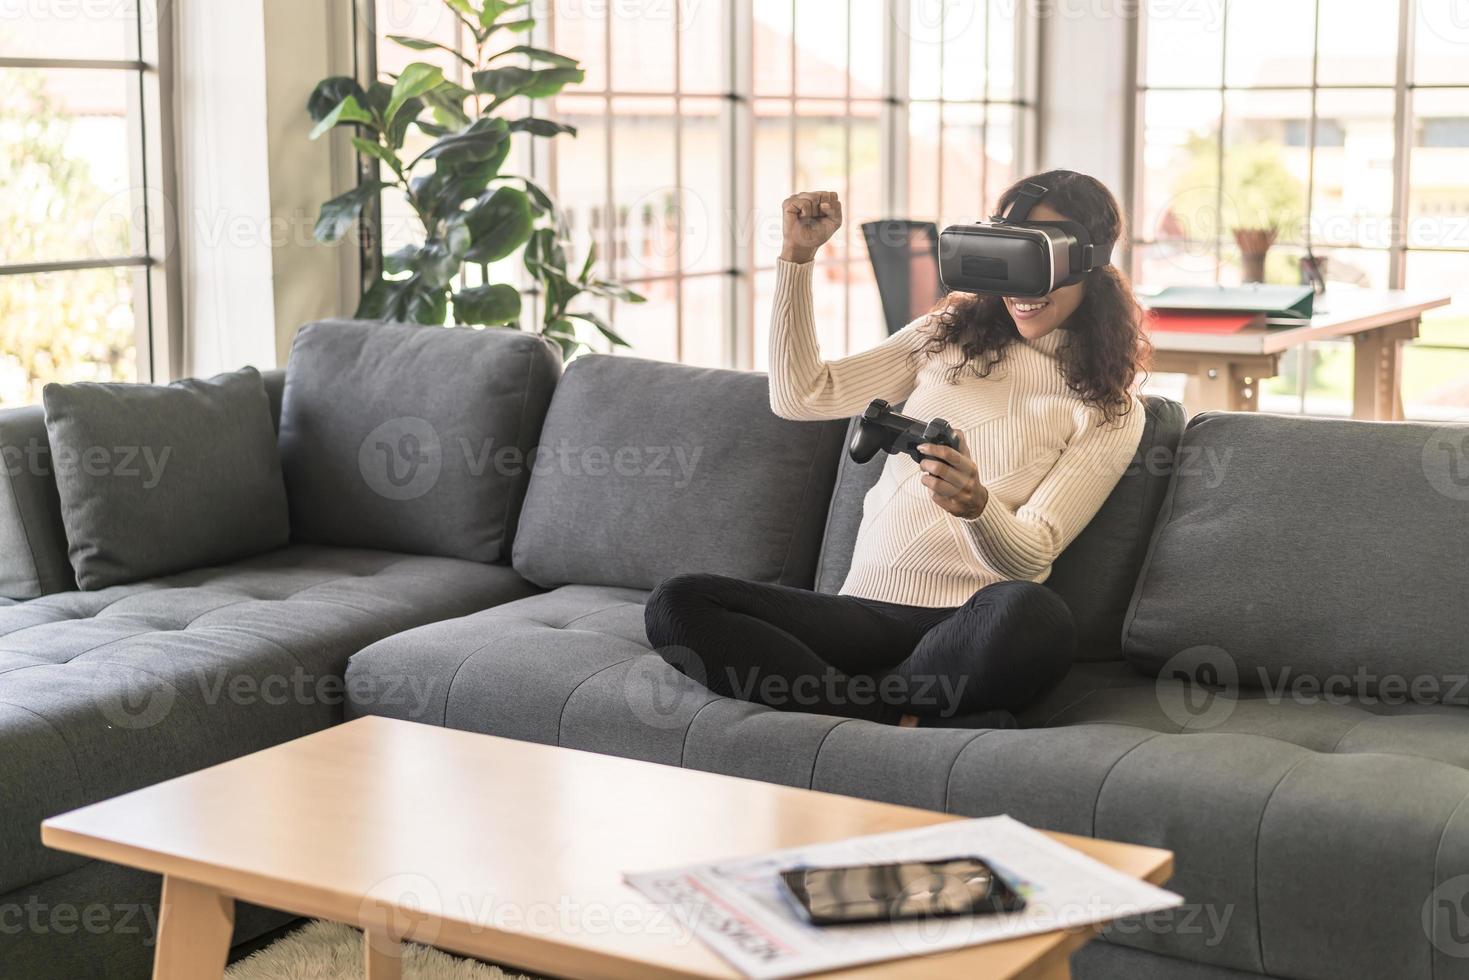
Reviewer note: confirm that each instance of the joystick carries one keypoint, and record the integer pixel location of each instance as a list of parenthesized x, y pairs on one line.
[(882, 428)]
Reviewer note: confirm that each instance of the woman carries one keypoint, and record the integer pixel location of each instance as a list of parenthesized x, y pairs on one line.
[(941, 620)]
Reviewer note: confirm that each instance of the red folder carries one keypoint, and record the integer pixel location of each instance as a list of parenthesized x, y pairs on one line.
[(1180, 322)]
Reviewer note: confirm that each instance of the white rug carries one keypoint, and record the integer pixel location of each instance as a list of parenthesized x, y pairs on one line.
[(331, 951)]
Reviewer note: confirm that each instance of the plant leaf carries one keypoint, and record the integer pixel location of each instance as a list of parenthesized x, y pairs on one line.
[(516, 26), (540, 127), (338, 214), (603, 326), (406, 117), (348, 111), (503, 84), (374, 149), (537, 54), (501, 223), (329, 93), (492, 304), (414, 80), (494, 8), (614, 290), (404, 259), (419, 44), (477, 141)]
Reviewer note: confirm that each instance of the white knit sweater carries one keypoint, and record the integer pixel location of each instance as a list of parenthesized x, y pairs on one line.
[(1047, 462)]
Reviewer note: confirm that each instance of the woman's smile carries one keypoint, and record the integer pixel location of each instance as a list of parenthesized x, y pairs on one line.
[(1024, 309)]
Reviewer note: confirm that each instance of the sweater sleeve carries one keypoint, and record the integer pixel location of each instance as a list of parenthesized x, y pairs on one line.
[(1023, 543), (803, 386)]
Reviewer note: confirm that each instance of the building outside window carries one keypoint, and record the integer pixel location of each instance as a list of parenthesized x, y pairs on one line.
[(1354, 144)]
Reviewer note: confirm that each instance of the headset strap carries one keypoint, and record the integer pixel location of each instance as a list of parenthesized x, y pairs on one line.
[(1025, 199), (1094, 255)]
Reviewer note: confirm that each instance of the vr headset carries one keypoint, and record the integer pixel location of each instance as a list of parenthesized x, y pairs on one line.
[(1011, 255)]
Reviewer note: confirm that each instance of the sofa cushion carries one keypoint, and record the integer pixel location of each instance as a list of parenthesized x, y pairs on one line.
[(1095, 575), (1322, 548), (412, 439), (156, 479), (649, 469), (33, 558), (103, 692)]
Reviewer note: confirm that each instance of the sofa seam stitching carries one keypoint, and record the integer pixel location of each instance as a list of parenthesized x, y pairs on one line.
[(449, 688), (1259, 825), (561, 715), (954, 763), (1102, 786), (816, 756), (1335, 746), (683, 748), (1438, 850), (1067, 707)]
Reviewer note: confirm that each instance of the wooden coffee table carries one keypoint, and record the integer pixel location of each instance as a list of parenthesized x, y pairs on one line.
[(504, 850)]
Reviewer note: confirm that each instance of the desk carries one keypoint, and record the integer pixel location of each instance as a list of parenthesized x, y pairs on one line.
[(1225, 370)]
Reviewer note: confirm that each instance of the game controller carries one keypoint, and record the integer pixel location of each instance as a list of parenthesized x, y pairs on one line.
[(882, 428)]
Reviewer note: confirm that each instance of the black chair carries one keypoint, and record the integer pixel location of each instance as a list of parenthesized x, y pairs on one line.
[(905, 261)]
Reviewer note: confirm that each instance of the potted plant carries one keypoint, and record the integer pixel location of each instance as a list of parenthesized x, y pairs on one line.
[(470, 211)]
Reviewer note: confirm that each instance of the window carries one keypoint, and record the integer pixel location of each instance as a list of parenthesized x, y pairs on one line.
[(696, 120), (81, 295), (1353, 144)]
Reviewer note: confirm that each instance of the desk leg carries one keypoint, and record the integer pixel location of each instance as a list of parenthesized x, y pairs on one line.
[(384, 956), (1377, 383), (1219, 382), (195, 925)]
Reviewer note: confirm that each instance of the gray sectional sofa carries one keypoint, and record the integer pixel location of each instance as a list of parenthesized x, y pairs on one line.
[(1319, 831)]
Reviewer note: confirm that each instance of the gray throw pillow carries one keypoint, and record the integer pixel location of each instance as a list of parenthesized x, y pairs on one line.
[(648, 469), (156, 479), (410, 438), (1311, 554)]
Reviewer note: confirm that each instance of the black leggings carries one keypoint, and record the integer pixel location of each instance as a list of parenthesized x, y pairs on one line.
[(799, 650)]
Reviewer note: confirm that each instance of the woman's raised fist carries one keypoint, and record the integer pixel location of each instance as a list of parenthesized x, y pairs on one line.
[(808, 220)]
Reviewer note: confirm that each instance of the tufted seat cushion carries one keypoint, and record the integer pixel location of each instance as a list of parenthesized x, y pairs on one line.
[(1310, 833), (103, 692)]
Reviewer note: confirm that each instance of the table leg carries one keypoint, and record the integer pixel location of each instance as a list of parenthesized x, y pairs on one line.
[(195, 925), (1219, 382), (384, 956), (1377, 383)]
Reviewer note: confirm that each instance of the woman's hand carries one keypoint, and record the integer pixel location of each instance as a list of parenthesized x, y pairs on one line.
[(953, 479), (808, 220)]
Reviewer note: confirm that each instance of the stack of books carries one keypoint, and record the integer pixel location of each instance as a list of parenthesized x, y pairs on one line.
[(1226, 309)]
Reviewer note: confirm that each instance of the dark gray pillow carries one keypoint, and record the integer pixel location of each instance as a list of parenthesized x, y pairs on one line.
[(649, 469), (33, 559), (1095, 575), (156, 479), (1302, 550), (410, 438)]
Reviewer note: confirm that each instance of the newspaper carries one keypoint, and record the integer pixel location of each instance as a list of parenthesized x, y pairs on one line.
[(740, 909)]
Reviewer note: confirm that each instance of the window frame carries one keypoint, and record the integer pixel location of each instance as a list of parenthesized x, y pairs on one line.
[(738, 269), (157, 287)]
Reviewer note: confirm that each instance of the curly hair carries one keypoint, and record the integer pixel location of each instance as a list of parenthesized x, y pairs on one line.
[(1105, 347)]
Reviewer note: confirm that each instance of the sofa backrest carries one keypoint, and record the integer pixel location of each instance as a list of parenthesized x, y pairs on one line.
[(1318, 551), (413, 439), (1095, 575), (33, 553), (648, 469), (33, 547)]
